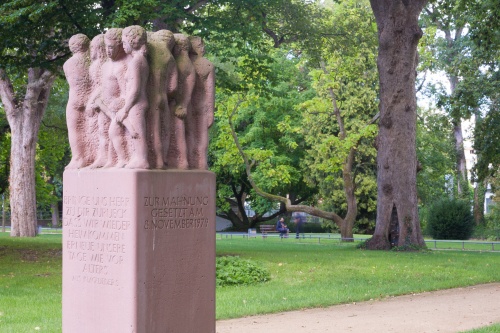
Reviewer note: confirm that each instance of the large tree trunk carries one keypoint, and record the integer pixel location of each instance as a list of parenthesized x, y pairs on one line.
[(399, 33), (479, 196), (24, 118), (461, 167), (346, 229), (54, 208)]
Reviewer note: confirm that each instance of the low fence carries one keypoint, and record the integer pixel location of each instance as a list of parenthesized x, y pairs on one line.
[(469, 245)]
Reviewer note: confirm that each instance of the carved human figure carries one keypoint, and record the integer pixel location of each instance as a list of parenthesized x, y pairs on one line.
[(180, 106), (76, 70), (113, 92), (201, 116), (136, 99), (98, 58), (162, 82)]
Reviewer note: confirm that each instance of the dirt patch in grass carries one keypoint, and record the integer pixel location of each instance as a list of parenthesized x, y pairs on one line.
[(35, 255)]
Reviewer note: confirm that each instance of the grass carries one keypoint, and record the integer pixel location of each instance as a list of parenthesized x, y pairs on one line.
[(30, 284), (308, 274), (304, 274), (488, 329)]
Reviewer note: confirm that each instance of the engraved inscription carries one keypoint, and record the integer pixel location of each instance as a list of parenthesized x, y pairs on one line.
[(176, 212), (95, 229)]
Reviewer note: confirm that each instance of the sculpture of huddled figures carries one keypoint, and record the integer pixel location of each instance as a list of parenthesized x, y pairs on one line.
[(139, 100), (76, 70), (201, 116)]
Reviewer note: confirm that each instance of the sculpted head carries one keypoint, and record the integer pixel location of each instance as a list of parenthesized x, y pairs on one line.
[(113, 42), (181, 43), (165, 36), (97, 47), (197, 45), (78, 43), (133, 38)]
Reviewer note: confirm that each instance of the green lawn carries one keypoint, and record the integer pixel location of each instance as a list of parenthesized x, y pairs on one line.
[(30, 284), (304, 273)]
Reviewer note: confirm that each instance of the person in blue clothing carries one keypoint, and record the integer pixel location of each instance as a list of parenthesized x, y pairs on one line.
[(282, 228), (299, 218)]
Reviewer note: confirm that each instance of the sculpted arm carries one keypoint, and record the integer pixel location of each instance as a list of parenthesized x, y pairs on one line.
[(173, 76), (210, 96), (185, 95)]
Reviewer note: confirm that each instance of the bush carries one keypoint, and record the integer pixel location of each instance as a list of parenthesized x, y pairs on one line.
[(232, 270), (307, 228), (490, 230), (450, 219)]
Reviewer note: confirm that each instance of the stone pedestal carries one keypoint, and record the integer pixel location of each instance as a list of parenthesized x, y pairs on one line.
[(138, 251)]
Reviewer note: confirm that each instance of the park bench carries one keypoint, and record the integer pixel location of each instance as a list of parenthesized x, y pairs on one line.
[(266, 228)]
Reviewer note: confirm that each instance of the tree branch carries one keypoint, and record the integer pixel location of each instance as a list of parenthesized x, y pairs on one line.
[(7, 94), (196, 6), (68, 14), (288, 205), (64, 129)]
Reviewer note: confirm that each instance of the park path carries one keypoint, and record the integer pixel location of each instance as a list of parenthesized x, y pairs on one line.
[(444, 311)]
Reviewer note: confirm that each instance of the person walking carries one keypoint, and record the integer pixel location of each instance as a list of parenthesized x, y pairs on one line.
[(299, 218)]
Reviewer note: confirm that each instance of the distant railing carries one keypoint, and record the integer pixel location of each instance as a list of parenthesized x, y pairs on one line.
[(469, 245)]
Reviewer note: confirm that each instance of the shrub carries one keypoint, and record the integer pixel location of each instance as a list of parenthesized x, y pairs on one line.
[(232, 270), (490, 230), (307, 228), (450, 219)]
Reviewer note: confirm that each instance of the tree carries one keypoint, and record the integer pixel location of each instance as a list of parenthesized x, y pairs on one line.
[(338, 121), (487, 51), (32, 36), (435, 152), (397, 214), (451, 52), (267, 123), (53, 152)]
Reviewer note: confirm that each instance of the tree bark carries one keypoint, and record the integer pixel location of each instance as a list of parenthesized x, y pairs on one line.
[(54, 208), (479, 196), (399, 33), (346, 229), (24, 117), (461, 167)]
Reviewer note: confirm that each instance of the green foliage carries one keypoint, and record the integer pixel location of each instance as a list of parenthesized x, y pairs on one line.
[(53, 152), (267, 123), (450, 219), (233, 271), (491, 229), (435, 153), (5, 140), (347, 80), (34, 33)]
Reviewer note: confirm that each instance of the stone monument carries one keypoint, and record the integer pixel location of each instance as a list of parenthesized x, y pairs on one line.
[(139, 202)]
